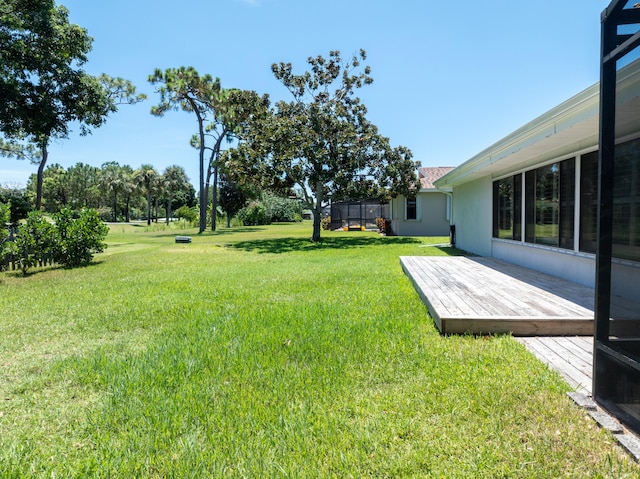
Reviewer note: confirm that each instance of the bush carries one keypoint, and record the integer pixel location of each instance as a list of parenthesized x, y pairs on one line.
[(325, 223), (186, 213), (78, 239), (105, 214), (254, 214), (282, 209), (5, 215), (34, 242)]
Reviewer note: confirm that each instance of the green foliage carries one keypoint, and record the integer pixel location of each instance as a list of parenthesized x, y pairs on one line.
[(5, 215), (255, 213), (282, 209), (71, 240), (322, 141), (187, 213), (35, 240), (44, 88), (18, 203), (78, 238)]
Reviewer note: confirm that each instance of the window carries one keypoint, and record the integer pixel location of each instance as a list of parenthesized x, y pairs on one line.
[(412, 209), (549, 206), (507, 214), (589, 202)]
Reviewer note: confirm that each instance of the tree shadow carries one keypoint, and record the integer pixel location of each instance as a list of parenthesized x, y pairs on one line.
[(207, 233), (287, 245), (451, 251)]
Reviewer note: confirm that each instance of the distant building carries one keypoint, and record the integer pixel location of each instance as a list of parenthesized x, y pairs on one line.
[(428, 213)]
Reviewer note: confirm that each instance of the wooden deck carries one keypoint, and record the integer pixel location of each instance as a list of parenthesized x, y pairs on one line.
[(482, 295), (571, 356)]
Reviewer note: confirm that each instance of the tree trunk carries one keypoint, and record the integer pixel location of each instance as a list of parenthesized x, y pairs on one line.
[(168, 208), (115, 206), (228, 220), (40, 176), (126, 212), (214, 199), (317, 218), (317, 212), (155, 217), (149, 207)]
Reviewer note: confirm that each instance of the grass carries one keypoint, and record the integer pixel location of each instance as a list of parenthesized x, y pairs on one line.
[(253, 352)]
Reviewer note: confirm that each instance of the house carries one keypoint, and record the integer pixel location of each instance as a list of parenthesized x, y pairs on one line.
[(531, 198), (428, 213)]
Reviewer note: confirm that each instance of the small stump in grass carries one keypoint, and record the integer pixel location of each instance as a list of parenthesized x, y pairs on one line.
[(183, 239)]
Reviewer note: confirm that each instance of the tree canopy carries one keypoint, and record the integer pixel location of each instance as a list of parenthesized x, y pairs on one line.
[(44, 88), (322, 141)]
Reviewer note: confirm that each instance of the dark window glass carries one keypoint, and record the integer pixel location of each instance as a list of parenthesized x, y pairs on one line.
[(567, 202), (507, 211), (547, 205), (588, 202), (517, 207), (530, 206), (550, 204), (412, 209)]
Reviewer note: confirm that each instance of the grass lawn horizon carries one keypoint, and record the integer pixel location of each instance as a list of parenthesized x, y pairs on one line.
[(253, 352)]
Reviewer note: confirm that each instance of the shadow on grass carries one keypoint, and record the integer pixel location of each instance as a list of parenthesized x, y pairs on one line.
[(449, 251), (286, 245), (208, 232), (17, 273)]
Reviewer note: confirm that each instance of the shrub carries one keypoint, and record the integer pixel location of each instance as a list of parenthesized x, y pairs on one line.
[(35, 241), (325, 223), (254, 213), (78, 239), (5, 215), (106, 213), (186, 213), (282, 209)]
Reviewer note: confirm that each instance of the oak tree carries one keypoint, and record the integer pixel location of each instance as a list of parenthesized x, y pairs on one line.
[(322, 141)]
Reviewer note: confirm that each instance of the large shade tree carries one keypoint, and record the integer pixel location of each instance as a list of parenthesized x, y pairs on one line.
[(322, 141), (43, 87)]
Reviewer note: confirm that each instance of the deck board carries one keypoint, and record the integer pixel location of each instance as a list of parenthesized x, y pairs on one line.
[(484, 295), (571, 357)]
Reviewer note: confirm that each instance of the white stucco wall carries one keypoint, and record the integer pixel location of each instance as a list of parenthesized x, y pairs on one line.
[(432, 216), (472, 205), (572, 266)]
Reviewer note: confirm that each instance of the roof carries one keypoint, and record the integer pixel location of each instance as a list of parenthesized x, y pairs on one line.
[(562, 131), (428, 176)]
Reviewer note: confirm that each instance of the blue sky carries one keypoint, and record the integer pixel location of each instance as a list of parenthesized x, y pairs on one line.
[(450, 77)]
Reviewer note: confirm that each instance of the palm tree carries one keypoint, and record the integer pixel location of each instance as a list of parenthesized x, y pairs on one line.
[(146, 177), (113, 182), (128, 188)]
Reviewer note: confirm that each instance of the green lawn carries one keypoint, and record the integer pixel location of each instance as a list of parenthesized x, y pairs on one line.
[(252, 352)]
